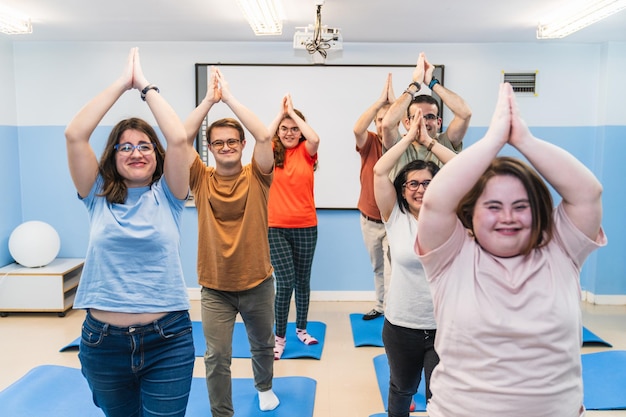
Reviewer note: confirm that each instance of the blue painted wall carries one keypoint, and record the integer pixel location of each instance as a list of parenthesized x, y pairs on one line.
[(341, 262), (11, 206), (10, 186)]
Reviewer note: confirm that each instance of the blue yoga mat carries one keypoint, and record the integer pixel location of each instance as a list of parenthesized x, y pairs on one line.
[(604, 380), (367, 332), (370, 332), (591, 339), (382, 376), (294, 349), (58, 391)]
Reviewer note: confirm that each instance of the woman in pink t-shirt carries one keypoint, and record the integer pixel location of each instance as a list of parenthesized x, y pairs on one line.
[(503, 268)]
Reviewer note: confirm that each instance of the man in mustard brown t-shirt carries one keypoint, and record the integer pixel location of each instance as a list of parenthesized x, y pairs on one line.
[(234, 266)]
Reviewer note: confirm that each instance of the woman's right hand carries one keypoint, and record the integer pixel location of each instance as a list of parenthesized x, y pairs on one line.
[(126, 79)]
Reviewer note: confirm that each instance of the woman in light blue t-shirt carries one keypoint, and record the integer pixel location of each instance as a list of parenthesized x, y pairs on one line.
[(136, 349)]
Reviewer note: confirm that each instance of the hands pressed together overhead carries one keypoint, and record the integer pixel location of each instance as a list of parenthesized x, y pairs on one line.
[(507, 125), (387, 96), (287, 106), (423, 72), (418, 131), (132, 76)]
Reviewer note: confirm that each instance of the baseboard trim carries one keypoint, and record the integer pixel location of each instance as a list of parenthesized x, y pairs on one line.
[(609, 300), (194, 295), (589, 297), (343, 296)]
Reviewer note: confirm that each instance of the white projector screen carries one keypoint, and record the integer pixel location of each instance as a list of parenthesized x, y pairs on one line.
[(331, 97)]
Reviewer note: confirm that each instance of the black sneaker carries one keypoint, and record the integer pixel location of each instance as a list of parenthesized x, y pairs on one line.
[(372, 315)]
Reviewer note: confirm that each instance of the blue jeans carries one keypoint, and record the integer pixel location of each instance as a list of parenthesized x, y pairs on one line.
[(139, 370), (219, 311), (408, 351)]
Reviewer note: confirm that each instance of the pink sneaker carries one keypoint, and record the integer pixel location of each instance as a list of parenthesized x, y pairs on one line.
[(306, 338), (279, 347)]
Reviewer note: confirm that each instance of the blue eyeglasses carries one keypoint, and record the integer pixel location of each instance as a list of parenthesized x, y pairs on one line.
[(128, 148)]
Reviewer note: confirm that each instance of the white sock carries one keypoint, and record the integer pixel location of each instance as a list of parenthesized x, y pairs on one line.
[(268, 400)]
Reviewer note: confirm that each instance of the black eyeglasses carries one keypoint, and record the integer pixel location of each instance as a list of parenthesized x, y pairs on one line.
[(285, 129), (128, 148), (415, 185), (426, 116), (218, 145)]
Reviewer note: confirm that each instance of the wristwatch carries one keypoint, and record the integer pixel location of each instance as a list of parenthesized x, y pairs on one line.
[(413, 95)]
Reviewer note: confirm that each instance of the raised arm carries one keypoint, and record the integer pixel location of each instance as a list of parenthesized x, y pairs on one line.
[(83, 163), (194, 120), (578, 187), (179, 153), (384, 190), (263, 153), (438, 212), (462, 113), (312, 140), (397, 111), (365, 120)]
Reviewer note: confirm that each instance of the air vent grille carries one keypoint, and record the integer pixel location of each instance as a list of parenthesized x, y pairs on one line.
[(522, 82)]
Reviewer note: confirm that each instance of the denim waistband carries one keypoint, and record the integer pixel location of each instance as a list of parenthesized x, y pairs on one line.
[(143, 328)]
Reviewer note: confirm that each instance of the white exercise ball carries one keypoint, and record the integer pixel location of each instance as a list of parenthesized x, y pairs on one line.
[(34, 243)]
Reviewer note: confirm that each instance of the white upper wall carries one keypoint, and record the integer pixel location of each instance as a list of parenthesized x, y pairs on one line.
[(613, 87), (53, 80), (8, 114)]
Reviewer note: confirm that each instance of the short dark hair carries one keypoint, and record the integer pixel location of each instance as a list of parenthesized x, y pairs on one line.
[(400, 179), (423, 98), (539, 197)]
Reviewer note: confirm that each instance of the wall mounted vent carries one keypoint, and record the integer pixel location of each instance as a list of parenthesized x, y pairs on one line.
[(522, 82)]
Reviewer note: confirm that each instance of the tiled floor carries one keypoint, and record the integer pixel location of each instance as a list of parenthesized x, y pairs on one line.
[(346, 384)]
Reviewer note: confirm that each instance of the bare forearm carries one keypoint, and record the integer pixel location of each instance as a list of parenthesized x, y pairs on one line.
[(455, 103), (386, 162), (462, 113), (395, 114), (461, 173), (166, 118), (195, 118), (574, 182), (249, 120)]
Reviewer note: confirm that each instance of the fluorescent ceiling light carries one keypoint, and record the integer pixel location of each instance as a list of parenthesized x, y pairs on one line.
[(575, 20), (13, 23), (264, 16)]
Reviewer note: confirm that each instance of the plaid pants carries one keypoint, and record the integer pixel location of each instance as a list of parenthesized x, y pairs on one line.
[(291, 252)]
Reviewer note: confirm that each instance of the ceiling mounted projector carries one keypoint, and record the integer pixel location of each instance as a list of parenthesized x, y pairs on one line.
[(318, 38)]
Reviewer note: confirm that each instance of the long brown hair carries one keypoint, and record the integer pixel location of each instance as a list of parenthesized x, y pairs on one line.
[(539, 197), (114, 188), (279, 148)]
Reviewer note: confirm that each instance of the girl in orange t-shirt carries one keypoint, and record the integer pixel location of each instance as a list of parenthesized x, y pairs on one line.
[(292, 219)]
